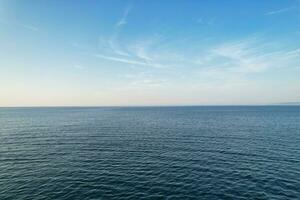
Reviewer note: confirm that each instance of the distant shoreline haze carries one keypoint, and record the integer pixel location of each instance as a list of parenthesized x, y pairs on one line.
[(290, 103)]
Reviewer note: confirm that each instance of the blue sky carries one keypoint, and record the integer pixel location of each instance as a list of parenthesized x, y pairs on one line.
[(171, 52)]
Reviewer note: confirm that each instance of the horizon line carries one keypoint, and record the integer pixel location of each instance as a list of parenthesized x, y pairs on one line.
[(130, 106)]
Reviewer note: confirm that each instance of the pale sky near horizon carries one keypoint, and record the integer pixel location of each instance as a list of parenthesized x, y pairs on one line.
[(171, 52)]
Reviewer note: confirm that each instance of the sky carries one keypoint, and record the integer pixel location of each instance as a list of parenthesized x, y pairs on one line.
[(135, 53)]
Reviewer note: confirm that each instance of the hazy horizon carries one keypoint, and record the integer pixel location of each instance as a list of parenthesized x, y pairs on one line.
[(149, 53), (158, 105)]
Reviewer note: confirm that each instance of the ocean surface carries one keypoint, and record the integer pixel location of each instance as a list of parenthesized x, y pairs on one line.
[(221, 152)]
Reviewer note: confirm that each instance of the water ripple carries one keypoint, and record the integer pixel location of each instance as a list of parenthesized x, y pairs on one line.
[(150, 153)]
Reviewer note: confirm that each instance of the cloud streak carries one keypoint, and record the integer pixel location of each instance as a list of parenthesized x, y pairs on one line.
[(131, 61), (275, 12), (20, 25), (113, 41), (203, 21), (236, 60), (233, 60), (123, 19), (122, 60), (30, 27), (136, 53)]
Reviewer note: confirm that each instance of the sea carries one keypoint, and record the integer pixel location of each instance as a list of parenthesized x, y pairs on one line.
[(188, 152)]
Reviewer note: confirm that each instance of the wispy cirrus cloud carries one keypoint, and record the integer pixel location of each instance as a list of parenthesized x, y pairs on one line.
[(30, 27), (131, 61), (79, 67), (113, 41), (123, 19), (205, 21), (149, 82), (238, 58), (122, 60), (20, 25), (228, 60), (283, 10), (248, 56), (144, 79), (134, 53)]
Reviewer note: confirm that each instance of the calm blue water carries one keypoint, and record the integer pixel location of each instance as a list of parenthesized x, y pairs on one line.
[(150, 153)]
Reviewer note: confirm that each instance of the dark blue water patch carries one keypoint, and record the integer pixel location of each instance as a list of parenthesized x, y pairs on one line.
[(213, 152)]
